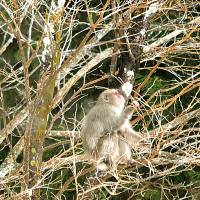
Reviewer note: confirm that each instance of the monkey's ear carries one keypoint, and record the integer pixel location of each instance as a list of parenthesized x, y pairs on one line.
[(106, 97)]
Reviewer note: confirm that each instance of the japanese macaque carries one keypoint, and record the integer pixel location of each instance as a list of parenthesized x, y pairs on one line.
[(106, 132)]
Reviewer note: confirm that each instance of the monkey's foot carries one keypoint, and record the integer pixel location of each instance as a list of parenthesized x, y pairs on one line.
[(102, 167), (131, 161)]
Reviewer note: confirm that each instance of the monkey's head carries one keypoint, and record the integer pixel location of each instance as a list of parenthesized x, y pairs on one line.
[(113, 97)]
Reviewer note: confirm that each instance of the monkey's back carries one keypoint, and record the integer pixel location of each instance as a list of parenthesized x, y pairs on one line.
[(98, 122)]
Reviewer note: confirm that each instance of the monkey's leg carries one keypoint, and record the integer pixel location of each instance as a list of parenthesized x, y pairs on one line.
[(109, 152), (135, 139), (132, 137), (124, 151)]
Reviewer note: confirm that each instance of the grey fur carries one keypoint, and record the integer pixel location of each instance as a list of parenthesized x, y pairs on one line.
[(106, 131)]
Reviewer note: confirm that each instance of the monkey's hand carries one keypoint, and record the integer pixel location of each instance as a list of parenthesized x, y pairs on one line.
[(128, 111)]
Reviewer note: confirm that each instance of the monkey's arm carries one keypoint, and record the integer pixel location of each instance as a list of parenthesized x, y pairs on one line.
[(127, 112), (131, 137), (113, 119)]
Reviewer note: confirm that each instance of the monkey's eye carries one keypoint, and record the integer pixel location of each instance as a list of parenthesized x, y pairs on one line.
[(118, 93)]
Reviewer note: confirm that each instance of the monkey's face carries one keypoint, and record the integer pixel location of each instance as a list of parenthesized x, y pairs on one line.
[(113, 97)]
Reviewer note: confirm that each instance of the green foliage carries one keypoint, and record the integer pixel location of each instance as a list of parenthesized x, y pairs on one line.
[(54, 181), (75, 29), (154, 84), (153, 194)]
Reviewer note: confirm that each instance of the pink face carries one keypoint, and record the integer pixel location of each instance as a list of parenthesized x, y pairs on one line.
[(114, 97), (118, 98)]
